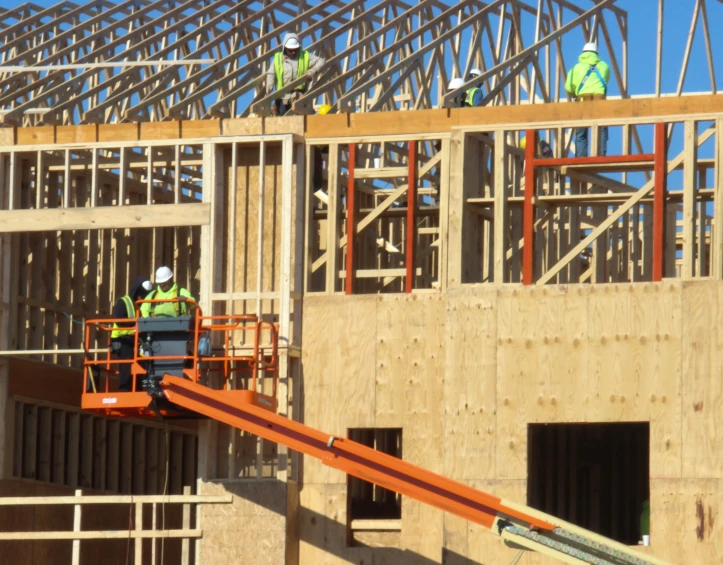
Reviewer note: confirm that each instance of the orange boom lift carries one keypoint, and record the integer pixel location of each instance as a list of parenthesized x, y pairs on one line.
[(178, 374)]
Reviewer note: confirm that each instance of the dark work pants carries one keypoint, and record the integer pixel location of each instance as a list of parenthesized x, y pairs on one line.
[(126, 353), (281, 108)]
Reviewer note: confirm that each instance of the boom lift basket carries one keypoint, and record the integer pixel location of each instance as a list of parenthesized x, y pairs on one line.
[(234, 354)]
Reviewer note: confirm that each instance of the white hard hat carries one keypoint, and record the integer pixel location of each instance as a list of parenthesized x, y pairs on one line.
[(148, 286), (291, 41), (591, 46), (475, 72), (163, 274), (456, 83)]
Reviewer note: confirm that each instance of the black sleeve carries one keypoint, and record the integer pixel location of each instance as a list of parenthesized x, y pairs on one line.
[(119, 310)]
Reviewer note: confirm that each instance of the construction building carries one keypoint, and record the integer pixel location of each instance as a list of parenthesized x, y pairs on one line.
[(545, 330)]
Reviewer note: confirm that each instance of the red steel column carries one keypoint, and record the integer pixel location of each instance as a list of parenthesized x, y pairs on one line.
[(660, 173), (528, 218), (411, 217), (350, 222)]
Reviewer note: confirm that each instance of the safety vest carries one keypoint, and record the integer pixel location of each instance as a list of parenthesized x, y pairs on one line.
[(590, 71), (131, 311), (303, 68), (469, 99), (165, 309)]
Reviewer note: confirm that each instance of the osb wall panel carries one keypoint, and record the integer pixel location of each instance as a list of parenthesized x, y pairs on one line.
[(252, 529), (463, 374), (246, 216), (703, 391)]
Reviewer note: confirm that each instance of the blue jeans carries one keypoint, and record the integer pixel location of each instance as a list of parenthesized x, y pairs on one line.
[(581, 142)]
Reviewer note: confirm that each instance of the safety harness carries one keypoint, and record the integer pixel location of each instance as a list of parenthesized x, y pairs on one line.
[(177, 306), (592, 69)]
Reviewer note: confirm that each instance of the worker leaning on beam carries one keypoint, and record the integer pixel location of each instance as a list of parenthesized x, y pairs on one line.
[(542, 148), (122, 340), (588, 81), (472, 96), (290, 63), (167, 290)]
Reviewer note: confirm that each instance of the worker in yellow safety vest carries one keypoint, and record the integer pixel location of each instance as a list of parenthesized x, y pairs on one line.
[(587, 81), (167, 289), (122, 338), (470, 98), (291, 63)]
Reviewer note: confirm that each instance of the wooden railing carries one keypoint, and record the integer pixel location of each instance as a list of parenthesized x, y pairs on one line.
[(186, 533)]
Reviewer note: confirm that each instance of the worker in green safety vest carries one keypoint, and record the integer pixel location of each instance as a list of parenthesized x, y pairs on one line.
[(470, 98), (122, 338), (167, 290), (474, 96), (291, 63), (587, 81)]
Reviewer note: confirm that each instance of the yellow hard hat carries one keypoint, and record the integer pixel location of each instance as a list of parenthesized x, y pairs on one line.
[(523, 143), (323, 109)]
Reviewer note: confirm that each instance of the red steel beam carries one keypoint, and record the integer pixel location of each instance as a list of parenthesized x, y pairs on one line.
[(660, 174), (346, 455), (528, 214), (411, 217), (350, 221), (609, 159)]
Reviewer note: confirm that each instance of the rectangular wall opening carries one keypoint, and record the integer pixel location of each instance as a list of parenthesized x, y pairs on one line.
[(593, 475), (374, 513)]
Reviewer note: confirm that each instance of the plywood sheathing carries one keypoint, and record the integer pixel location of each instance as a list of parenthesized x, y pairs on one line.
[(465, 372), (252, 529)]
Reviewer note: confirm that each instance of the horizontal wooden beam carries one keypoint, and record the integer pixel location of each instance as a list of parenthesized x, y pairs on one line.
[(110, 534), (105, 217), (115, 499), (637, 110), (376, 525)]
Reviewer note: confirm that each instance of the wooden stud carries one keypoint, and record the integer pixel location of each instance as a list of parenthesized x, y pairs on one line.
[(689, 204), (350, 221), (717, 238), (500, 210), (528, 266), (77, 513), (411, 223), (332, 222)]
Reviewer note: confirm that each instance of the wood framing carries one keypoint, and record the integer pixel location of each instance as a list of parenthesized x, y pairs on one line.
[(141, 64), (509, 287)]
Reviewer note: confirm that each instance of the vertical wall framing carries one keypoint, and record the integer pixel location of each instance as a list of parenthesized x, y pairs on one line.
[(645, 214), (390, 201), (253, 260)]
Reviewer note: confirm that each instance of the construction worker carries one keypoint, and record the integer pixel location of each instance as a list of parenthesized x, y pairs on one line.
[(290, 63), (544, 147), (475, 95), (472, 97), (122, 340), (588, 81), (167, 290)]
